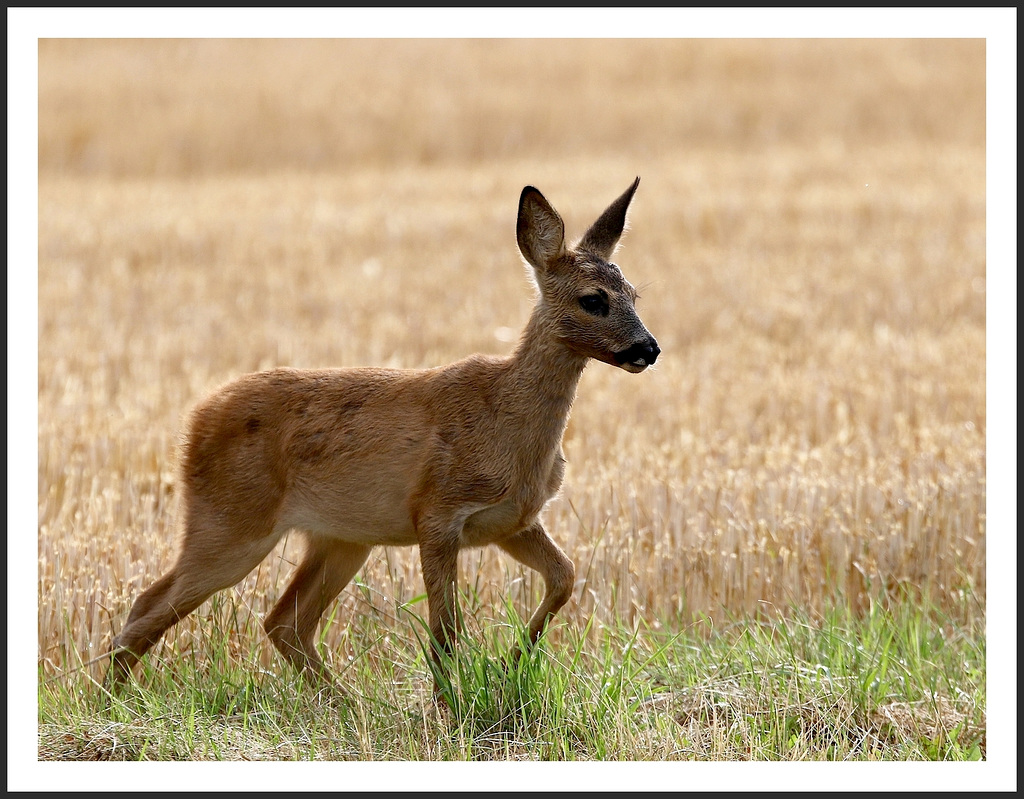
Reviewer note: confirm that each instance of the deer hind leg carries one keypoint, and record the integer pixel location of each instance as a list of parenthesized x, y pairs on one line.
[(326, 568), (210, 560), (534, 548)]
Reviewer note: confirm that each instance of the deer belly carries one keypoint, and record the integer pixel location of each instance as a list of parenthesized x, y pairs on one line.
[(496, 522), (372, 513)]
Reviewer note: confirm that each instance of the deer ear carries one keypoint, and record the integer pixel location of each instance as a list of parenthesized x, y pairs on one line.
[(539, 230), (605, 232)]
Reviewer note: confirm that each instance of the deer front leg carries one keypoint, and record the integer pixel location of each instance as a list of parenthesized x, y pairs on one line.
[(439, 561), (533, 547)]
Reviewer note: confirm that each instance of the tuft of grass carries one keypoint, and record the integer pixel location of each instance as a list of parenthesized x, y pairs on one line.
[(896, 684)]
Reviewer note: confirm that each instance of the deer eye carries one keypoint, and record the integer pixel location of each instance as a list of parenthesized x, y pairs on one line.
[(595, 304)]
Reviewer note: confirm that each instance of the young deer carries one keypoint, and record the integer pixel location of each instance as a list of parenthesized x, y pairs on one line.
[(457, 456)]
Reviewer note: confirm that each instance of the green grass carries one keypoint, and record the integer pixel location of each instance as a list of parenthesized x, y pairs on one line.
[(898, 683)]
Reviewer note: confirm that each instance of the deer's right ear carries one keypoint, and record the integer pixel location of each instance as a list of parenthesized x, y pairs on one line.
[(604, 234), (539, 230)]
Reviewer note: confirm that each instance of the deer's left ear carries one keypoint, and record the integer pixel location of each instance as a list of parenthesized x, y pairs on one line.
[(604, 234), (539, 230)]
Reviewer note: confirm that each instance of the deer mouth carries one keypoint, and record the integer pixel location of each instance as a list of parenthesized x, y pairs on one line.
[(638, 357)]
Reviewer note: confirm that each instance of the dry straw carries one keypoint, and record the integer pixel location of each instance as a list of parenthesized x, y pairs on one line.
[(808, 240)]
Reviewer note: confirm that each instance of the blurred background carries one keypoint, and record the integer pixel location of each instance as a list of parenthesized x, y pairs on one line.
[(162, 108)]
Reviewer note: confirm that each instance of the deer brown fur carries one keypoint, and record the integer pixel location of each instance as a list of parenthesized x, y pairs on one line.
[(457, 456)]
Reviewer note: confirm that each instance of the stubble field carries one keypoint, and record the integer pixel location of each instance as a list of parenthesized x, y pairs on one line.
[(808, 240)]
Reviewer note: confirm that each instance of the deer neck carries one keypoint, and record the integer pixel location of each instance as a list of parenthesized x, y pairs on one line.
[(541, 379)]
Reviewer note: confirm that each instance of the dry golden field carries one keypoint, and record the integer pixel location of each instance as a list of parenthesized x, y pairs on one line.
[(808, 239)]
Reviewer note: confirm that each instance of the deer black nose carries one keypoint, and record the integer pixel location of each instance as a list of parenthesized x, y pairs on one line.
[(654, 350), (641, 354)]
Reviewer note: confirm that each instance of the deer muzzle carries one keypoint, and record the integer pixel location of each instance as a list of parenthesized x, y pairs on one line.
[(639, 356)]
